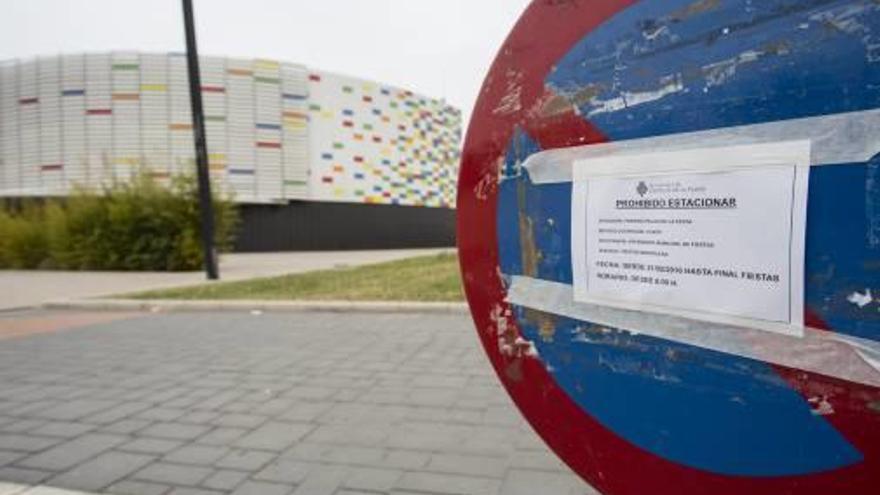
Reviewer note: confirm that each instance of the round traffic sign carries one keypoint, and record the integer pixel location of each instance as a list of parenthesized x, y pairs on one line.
[(635, 401)]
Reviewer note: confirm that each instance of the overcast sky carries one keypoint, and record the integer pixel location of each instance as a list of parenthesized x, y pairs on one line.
[(441, 48)]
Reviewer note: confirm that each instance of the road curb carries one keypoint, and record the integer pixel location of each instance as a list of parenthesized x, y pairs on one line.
[(157, 306)]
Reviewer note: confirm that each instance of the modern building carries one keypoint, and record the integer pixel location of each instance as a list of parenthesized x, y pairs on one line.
[(316, 160)]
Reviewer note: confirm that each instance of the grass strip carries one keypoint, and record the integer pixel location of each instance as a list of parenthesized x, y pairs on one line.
[(424, 278)]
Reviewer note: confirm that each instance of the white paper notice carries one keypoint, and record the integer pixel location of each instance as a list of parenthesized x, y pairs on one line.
[(723, 245)]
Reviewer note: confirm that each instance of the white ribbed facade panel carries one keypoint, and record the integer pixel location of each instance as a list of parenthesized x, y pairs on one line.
[(241, 125), (294, 126), (74, 148), (213, 75), (267, 113), (180, 117), (127, 155), (275, 130), (99, 121), (29, 126), (49, 94), (154, 115), (10, 157)]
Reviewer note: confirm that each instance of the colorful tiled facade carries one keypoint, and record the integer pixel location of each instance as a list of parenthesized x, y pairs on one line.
[(276, 131)]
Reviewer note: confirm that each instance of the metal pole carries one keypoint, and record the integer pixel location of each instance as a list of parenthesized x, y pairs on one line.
[(198, 118)]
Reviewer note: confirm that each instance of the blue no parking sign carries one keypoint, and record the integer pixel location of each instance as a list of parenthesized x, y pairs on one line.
[(649, 388)]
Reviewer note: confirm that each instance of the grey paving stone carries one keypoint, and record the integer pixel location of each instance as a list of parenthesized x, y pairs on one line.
[(75, 409), (499, 415), (160, 414), (442, 381), (126, 426), (445, 415), (240, 420), (136, 395), (449, 484), (32, 408), (481, 444), (285, 471), (26, 443), (348, 434), (63, 429), (22, 425), (541, 460), (340, 454), (116, 413), (218, 400), (259, 397), (274, 436), (364, 393), (262, 488), (225, 479), (151, 445), (525, 482), (348, 395), (372, 479), (493, 467), (527, 442), (203, 455), (198, 417), (193, 491), (429, 436), (72, 452), (406, 459), (181, 402), (173, 474), (221, 436), (101, 471), (23, 475), (202, 393), (128, 487), (174, 431), (8, 457), (246, 460), (322, 480), (305, 411), (274, 407), (360, 413), (236, 407), (310, 392)]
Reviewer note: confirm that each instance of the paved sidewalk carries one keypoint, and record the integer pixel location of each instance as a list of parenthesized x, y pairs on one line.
[(274, 404), (27, 288)]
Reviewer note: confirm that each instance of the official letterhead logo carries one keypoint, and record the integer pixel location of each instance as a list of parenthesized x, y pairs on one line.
[(642, 188)]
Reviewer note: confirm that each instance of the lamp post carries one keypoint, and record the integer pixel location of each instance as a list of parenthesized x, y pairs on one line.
[(198, 119)]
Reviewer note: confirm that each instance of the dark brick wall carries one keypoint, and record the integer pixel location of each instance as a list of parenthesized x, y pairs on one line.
[(303, 226)]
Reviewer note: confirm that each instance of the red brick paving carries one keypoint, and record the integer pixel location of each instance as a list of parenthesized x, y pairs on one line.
[(31, 324)]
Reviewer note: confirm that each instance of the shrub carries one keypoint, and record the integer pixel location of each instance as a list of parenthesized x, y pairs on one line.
[(22, 238), (136, 225)]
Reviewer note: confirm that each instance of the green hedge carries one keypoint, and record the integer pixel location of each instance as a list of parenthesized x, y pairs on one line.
[(138, 225)]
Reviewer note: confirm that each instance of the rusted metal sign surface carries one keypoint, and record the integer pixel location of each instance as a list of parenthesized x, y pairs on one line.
[(662, 402)]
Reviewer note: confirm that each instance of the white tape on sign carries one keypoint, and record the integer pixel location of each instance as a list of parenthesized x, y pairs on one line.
[(836, 139), (840, 356)]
